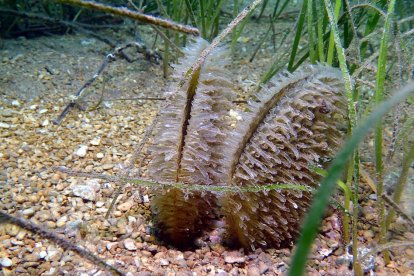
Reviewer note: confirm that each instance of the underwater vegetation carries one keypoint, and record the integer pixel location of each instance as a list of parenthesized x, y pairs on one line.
[(207, 163)]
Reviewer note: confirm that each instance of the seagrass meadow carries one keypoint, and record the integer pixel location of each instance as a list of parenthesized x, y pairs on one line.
[(213, 137)]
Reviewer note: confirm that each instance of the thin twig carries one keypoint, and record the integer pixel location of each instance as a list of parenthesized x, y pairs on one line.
[(157, 99), (134, 15), (398, 209), (108, 59), (386, 246), (74, 99), (367, 64), (67, 245), (182, 186)]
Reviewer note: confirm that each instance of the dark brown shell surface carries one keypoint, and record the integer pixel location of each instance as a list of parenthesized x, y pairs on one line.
[(294, 122)]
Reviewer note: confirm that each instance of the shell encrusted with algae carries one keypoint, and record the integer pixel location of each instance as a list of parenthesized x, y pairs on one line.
[(291, 125)]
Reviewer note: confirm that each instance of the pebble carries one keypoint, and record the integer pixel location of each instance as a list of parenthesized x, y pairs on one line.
[(130, 244), (28, 212), (127, 205), (263, 268), (234, 259), (368, 234), (7, 112), (19, 199), (42, 254), (85, 192), (96, 141), (164, 262), (61, 221), (145, 198), (15, 103), (253, 271), (6, 262), (107, 166), (94, 183), (20, 236), (99, 155), (4, 125), (81, 151), (45, 123), (53, 254)]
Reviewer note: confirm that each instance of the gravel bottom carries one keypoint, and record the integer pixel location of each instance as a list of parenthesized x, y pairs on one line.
[(102, 141)]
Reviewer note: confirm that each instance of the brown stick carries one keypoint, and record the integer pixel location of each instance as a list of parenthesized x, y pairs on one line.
[(134, 15), (398, 209), (108, 59), (73, 102), (67, 245)]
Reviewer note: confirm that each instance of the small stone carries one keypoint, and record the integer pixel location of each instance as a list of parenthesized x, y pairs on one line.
[(145, 198), (4, 125), (132, 219), (42, 254), (45, 123), (234, 259), (107, 166), (127, 205), (53, 254), (410, 253), (28, 212), (164, 262), (12, 230), (96, 141), (6, 262), (19, 199), (130, 244), (20, 236), (41, 111), (99, 204), (31, 257), (15, 103), (369, 234), (99, 155), (85, 192), (253, 271), (94, 183), (7, 112), (81, 151), (61, 221), (263, 268)]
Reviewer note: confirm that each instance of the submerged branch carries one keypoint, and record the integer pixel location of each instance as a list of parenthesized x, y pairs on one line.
[(67, 245), (187, 187), (134, 15), (118, 52)]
